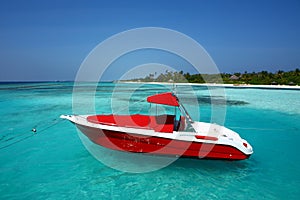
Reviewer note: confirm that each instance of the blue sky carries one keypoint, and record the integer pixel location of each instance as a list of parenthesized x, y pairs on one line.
[(48, 40)]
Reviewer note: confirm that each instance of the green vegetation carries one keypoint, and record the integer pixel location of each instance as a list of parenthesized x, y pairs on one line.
[(255, 78)]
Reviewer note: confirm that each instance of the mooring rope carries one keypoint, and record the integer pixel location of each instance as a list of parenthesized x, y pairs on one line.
[(34, 131)]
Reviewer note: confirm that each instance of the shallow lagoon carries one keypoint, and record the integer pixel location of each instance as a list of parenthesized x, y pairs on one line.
[(54, 164)]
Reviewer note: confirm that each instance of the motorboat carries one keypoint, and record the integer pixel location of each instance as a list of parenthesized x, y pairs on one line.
[(175, 134)]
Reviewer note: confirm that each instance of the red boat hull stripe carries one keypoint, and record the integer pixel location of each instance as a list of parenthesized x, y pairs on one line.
[(204, 137)]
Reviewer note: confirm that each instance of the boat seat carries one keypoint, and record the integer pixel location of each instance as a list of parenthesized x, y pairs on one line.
[(164, 123)]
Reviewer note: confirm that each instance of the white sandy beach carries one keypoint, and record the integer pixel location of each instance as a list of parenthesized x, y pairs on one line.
[(290, 87)]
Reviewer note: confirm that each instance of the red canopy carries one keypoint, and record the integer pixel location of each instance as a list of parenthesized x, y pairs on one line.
[(164, 98)]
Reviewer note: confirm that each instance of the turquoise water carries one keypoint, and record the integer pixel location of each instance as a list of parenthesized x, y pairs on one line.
[(54, 164)]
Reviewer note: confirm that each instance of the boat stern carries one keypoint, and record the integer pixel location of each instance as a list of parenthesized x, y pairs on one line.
[(247, 148)]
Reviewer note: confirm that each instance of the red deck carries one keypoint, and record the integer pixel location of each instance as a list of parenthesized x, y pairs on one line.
[(161, 123)]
